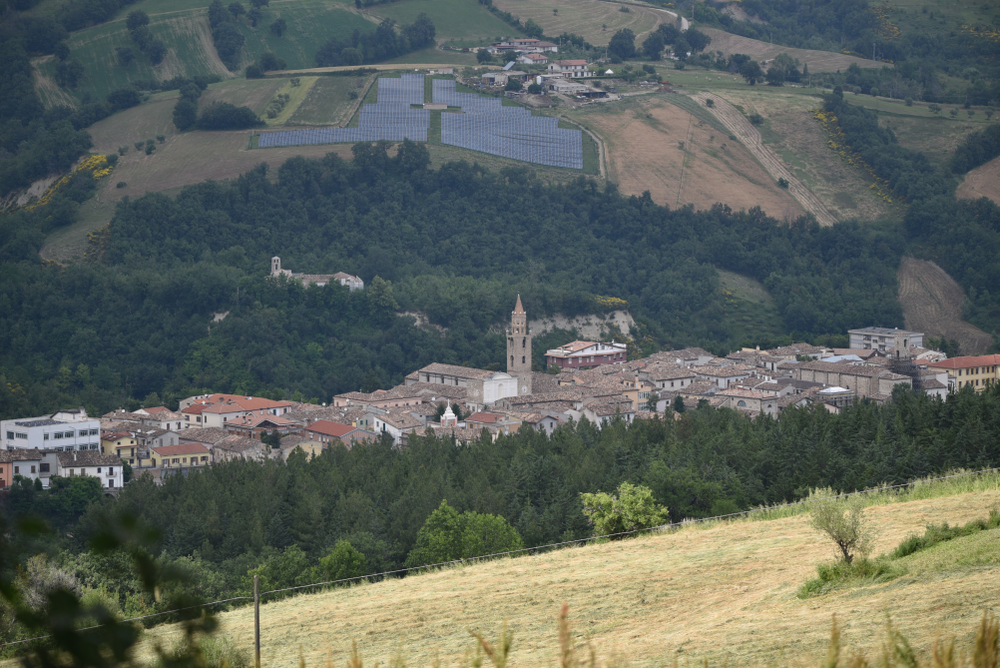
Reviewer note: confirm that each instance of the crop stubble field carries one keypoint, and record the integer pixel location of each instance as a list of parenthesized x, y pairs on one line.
[(818, 61), (726, 593), (983, 181), (932, 303), (656, 146)]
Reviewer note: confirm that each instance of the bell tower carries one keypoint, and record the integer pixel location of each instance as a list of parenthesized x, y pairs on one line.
[(519, 349)]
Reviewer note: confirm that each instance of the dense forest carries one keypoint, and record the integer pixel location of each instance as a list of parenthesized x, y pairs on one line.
[(304, 520), (136, 318)]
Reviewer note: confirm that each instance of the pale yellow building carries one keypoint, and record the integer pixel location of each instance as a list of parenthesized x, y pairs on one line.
[(975, 372)]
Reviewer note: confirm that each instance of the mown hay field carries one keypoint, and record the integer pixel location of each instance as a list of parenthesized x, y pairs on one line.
[(983, 181), (680, 158), (726, 593), (818, 61)]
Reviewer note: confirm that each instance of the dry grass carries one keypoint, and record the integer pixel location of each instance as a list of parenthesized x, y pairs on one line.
[(798, 139), (726, 593), (932, 303), (983, 181), (818, 61), (656, 146), (328, 102), (253, 93)]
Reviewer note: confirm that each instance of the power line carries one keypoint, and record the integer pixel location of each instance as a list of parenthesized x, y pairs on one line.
[(539, 548)]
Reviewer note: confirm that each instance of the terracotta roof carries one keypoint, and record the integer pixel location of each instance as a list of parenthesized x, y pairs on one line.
[(328, 428), (484, 417), (571, 62), (236, 402), (966, 362), (115, 435)]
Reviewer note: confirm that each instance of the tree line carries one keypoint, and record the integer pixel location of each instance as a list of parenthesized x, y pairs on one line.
[(378, 45)]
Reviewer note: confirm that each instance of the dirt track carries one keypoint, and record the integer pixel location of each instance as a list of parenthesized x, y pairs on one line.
[(748, 135), (932, 303)]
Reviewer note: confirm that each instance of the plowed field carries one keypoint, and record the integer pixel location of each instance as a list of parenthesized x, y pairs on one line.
[(932, 303)]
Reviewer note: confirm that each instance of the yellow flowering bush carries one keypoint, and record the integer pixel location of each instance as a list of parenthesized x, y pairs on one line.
[(838, 143), (97, 165)]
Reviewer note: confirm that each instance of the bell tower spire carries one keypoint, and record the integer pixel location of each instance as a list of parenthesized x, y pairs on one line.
[(519, 349)]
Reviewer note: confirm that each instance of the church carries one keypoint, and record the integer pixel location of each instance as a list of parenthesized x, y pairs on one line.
[(486, 387), (352, 283)]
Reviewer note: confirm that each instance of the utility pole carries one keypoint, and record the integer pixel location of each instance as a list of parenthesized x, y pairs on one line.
[(256, 620)]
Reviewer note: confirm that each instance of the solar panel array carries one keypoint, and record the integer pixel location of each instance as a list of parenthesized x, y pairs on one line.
[(390, 118), (510, 132)]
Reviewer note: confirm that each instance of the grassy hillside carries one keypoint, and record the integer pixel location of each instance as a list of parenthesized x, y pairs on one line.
[(726, 593), (461, 19)]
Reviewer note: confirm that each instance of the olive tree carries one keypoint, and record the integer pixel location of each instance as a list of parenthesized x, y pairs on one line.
[(845, 523)]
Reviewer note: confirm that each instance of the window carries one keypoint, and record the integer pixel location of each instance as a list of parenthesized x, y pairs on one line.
[(95, 432), (10, 434), (111, 484), (111, 470), (43, 467), (21, 435), (17, 469), (33, 468), (57, 435), (45, 437)]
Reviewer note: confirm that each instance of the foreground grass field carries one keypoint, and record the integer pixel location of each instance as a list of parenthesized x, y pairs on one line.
[(726, 593)]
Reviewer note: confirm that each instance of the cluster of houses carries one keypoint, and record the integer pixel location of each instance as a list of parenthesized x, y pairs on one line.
[(589, 380)]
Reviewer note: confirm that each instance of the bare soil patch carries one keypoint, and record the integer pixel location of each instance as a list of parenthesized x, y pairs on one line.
[(726, 593), (932, 303), (983, 181), (656, 146), (818, 61)]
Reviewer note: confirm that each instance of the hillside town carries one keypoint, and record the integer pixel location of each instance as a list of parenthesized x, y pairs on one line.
[(584, 380)]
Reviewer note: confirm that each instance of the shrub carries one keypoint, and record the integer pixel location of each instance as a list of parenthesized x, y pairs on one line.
[(150, 148), (631, 509), (225, 116), (908, 102), (756, 118), (122, 150), (139, 145), (448, 536), (840, 574), (709, 102), (843, 521), (112, 159), (161, 138), (121, 184), (783, 183)]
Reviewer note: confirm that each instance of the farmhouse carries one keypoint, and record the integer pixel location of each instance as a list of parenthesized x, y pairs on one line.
[(106, 468), (570, 69), (532, 59)]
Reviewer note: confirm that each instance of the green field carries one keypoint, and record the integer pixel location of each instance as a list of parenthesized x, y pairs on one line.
[(328, 102), (452, 18), (191, 50)]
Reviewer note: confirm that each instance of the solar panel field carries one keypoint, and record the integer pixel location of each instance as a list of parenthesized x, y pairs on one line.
[(484, 125)]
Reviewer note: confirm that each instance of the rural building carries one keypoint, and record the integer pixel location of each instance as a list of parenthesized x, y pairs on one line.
[(178, 458), (585, 354), (975, 372), (106, 468), (883, 338), (867, 382), (63, 430), (161, 417), (254, 426), (351, 282), (570, 69), (752, 402), (214, 410), (121, 444), (29, 464), (532, 59)]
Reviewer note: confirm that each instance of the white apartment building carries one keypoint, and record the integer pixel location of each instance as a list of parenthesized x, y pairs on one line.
[(61, 431)]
